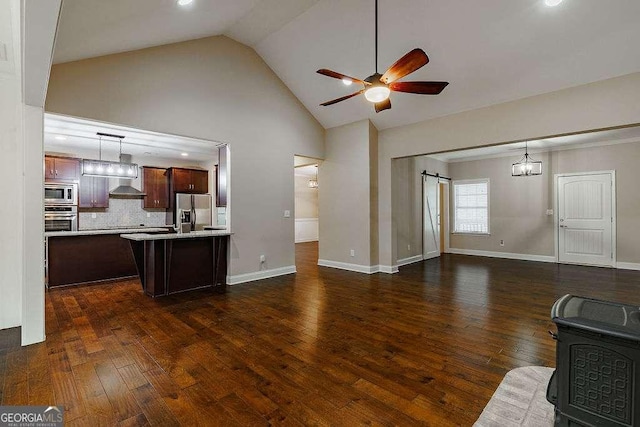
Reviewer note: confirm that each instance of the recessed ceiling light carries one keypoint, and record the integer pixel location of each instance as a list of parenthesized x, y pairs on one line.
[(184, 154), (60, 137), (347, 82), (552, 2), (184, 2)]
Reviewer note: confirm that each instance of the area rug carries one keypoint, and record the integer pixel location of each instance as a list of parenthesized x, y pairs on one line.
[(520, 400)]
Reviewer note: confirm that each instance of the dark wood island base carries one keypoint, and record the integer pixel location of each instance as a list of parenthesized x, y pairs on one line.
[(172, 263)]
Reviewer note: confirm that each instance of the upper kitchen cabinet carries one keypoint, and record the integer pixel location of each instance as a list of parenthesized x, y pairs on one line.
[(61, 168), (189, 180), (155, 182), (93, 192)]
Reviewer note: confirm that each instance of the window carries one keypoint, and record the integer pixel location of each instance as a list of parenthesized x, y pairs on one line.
[(471, 206)]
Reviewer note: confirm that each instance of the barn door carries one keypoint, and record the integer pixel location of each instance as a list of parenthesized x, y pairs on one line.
[(430, 217)]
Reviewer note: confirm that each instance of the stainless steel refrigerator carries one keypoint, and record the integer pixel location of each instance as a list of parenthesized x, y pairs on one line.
[(193, 211)]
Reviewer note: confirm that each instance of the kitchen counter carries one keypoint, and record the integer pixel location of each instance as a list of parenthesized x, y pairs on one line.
[(139, 237), (106, 231), (168, 263)]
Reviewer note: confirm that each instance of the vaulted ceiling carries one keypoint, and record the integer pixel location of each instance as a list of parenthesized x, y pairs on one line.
[(490, 51)]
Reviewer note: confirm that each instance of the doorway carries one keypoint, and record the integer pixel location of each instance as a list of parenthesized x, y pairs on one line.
[(435, 218), (586, 218)]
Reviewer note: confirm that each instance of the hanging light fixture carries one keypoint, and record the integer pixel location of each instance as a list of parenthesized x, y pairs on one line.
[(313, 183), (526, 166), (108, 169)]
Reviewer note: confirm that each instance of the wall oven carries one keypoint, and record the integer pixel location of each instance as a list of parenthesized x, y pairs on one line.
[(60, 193), (60, 218)]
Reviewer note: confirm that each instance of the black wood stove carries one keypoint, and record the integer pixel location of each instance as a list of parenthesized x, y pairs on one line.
[(597, 377)]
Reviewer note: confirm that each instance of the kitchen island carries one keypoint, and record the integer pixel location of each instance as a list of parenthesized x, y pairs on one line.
[(168, 263), (76, 257)]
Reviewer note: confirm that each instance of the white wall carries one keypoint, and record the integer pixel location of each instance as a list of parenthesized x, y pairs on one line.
[(306, 207), (216, 89), (11, 169), (21, 138), (599, 105)]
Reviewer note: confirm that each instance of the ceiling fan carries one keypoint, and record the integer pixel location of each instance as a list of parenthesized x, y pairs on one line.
[(377, 87)]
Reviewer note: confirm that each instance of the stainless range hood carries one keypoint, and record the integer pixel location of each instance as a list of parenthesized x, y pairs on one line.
[(125, 189)]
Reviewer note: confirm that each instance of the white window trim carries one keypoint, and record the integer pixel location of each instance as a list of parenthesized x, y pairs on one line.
[(472, 181)]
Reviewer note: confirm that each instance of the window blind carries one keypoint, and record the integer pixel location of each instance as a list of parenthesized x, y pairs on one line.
[(471, 202)]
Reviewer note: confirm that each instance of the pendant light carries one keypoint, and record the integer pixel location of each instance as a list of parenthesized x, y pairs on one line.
[(526, 166), (313, 183), (108, 169)]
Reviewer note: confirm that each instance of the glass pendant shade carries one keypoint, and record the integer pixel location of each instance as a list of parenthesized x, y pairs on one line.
[(377, 93), (526, 167)]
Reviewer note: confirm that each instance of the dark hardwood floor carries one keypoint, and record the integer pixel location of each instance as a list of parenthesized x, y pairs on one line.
[(323, 347)]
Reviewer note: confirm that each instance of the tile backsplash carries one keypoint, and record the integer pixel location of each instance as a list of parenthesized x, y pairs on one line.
[(121, 213)]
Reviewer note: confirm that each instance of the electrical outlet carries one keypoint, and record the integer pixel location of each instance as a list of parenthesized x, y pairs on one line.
[(94, 216), (353, 252), (501, 242), (262, 258), (409, 247), (549, 212), (287, 214), (148, 214)]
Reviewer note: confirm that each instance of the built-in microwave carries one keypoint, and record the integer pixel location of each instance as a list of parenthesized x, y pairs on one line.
[(60, 193)]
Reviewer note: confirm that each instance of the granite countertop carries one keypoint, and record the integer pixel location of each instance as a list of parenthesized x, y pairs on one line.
[(106, 231), (139, 237)]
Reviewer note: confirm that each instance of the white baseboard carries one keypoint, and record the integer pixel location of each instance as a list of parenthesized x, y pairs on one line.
[(306, 230), (628, 266), (507, 255), (388, 269), (410, 260), (259, 275), (367, 269), (306, 240)]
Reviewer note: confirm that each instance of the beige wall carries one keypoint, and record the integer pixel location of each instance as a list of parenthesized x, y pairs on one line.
[(373, 190), (407, 201), (306, 199), (518, 204), (603, 104), (345, 195), (517, 207), (217, 89)]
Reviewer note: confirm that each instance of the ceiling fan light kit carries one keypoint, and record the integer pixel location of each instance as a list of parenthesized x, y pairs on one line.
[(377, 87)]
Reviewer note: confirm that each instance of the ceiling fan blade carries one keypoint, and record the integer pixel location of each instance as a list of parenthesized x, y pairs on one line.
[(335, 101), (340, 76), (421, 88), (384, 105), (405, 65)]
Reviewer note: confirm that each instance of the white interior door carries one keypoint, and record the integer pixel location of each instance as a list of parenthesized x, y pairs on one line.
[(585, 219), (430, 217)]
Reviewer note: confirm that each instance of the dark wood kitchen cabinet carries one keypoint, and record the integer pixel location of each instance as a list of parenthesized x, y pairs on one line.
[(155, 182), (61, 168), (189, 181), (93, 192)]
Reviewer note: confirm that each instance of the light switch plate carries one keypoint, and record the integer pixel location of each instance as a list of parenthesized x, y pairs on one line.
[(549, 212), (94, 216), (287, 214)]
